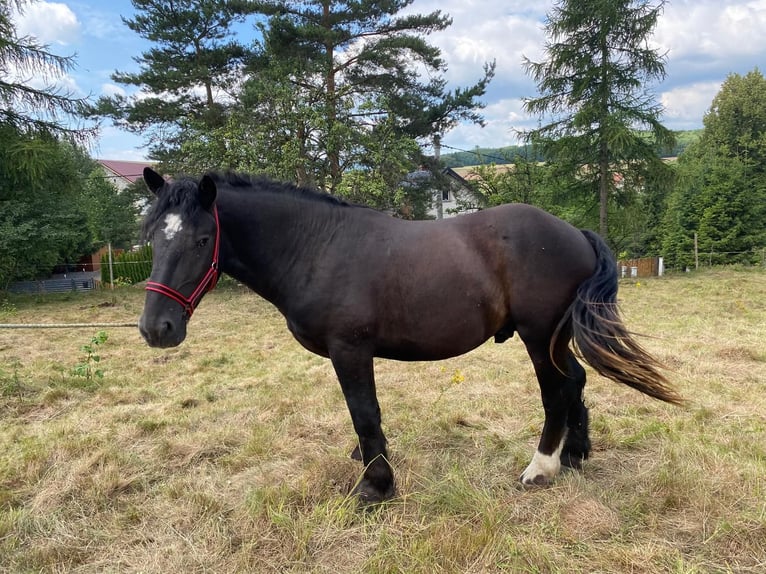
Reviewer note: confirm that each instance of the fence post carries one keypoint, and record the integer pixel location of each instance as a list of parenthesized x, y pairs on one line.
[(111, 269), (696, 253)]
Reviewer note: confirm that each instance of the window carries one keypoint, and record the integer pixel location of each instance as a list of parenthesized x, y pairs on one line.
[(445, 195)]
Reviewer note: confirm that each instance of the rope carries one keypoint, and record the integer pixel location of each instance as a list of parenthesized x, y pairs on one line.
[(63, 325)]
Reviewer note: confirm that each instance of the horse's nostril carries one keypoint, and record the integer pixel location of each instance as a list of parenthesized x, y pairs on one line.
[(157, 333)]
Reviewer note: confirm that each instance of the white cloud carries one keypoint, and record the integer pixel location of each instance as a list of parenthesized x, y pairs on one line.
[(686, 105), (114, 143), (110, 90), (716, 29), (63, 84), (104, 26), (482, 32), (503, 120), (50, 22)]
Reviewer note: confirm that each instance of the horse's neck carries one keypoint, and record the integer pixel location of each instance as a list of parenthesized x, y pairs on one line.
[(267, 243)]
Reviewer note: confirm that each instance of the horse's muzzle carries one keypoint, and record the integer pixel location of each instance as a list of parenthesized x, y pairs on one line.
[(162, 332)]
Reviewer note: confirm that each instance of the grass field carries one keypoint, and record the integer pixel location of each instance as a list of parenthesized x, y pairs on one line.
[(230, 452)]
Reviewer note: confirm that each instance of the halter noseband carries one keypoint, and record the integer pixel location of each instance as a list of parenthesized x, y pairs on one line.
[(207, 283)]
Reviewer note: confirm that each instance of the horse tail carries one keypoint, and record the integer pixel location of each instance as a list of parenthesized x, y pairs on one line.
[(600, 336)]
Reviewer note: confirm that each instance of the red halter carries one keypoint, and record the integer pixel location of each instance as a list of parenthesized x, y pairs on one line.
[(207, 283)]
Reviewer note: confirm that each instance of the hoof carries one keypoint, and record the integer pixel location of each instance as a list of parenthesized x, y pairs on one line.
[(356, 454), (537, 481), (369, 495), (543, 468)]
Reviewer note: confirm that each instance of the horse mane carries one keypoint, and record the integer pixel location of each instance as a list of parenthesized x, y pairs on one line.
[(261, 184), (179, 194)]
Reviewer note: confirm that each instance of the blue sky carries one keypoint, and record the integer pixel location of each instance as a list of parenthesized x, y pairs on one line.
[(705, 41)]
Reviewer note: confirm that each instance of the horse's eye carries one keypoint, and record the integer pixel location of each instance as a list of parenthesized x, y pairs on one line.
[(202, 242)]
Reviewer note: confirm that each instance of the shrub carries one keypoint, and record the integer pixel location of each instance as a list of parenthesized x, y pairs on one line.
[(129, 267)]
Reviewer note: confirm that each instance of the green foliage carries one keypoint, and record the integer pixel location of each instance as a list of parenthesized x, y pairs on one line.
[(193, 48), (487, 156), (593, 95), (129, 267), (11, 384), (357, 71), (26, 109), (507, 154), (377, 180), (42, 222), (56, 206), (87, 368), (327, 81), (684, 139), (112, 215), (721, 190)]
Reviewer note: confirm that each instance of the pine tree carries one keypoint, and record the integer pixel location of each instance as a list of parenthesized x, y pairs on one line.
[(29, 110), (353, 67), (594, 94), (185, 76)]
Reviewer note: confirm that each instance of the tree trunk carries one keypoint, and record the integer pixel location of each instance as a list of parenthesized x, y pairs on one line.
[(437, 159), (603, 189), (333, 154)]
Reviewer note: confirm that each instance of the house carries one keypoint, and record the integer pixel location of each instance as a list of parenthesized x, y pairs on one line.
[(454, 196), (123, 173)]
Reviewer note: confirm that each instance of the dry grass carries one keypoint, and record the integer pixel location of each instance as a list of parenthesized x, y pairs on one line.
[(230, 453)]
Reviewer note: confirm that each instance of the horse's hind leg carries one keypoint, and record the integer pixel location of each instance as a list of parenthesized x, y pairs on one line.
[(561, 390), (577, 444)]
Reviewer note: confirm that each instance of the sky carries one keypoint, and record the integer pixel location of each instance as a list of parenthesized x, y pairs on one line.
[(704, 41)]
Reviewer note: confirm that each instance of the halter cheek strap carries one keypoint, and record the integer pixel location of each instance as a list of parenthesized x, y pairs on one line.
[(207, 283)]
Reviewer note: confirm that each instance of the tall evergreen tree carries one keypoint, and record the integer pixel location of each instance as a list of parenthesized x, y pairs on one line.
[(594, 95), (351, 67), (185, 76), (29, 110)]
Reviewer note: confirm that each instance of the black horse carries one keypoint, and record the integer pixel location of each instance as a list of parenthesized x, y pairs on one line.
[(354, 283)]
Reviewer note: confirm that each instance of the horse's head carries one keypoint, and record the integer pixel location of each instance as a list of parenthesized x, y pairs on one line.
[(184, 232)]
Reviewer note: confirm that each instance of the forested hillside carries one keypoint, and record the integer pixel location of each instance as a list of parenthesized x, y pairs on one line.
[(508, 154)]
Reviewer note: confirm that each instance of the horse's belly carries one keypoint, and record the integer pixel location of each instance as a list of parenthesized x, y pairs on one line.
[(438, 335), (420, 352)]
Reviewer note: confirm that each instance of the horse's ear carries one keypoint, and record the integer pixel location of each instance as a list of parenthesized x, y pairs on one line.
[(154, 181), (207, 191)]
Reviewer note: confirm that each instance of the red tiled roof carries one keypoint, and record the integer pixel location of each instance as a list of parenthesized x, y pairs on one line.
[(129, 170)]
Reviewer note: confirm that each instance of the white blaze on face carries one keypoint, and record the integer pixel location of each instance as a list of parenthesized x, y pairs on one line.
[(172, 225)]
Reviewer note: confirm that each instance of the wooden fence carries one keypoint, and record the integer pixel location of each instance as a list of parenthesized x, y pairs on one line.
[(643, 267)]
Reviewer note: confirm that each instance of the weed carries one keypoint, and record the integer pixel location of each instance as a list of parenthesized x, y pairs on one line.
[(88, 367), (10, 384), (7, 309)]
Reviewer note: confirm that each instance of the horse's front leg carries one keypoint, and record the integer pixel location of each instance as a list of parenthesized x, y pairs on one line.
[(354, 368)]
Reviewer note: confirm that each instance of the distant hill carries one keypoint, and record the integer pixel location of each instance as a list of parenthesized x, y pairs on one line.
[(503, 155)]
